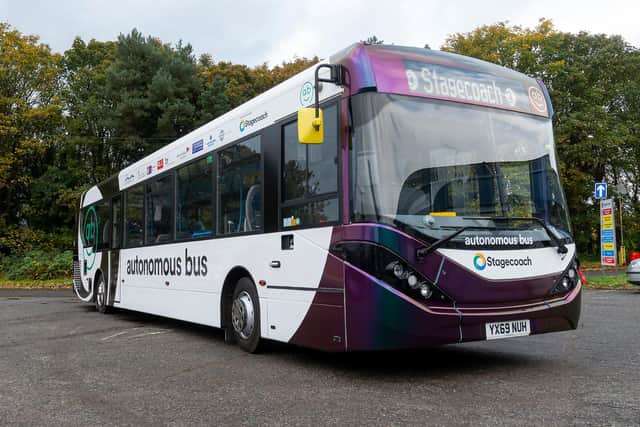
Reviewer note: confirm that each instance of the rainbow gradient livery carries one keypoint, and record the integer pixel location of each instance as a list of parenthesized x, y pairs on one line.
[(431, 213)]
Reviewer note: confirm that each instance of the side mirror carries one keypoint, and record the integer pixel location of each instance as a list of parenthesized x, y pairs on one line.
[(310, 127)]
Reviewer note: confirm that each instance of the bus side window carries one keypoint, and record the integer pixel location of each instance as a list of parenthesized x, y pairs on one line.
[(159, 216), (310, 176), (240, 188), (194, 200), (103, 209), (134, 216)]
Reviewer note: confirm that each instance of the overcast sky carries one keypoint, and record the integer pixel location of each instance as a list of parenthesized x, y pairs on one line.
[(253, 32)]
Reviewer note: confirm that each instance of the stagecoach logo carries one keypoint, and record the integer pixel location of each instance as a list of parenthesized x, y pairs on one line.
[(538, 102), (306, 94), (91, 226), (244, 124), (129, 178), (479, 261)]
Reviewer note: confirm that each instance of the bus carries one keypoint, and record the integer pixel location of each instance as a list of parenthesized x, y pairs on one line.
[(388, 197)]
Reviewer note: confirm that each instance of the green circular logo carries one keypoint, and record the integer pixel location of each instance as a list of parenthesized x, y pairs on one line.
[(90, 232), (306, 94)]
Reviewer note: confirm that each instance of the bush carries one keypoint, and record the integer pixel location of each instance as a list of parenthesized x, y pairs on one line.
[(39, 265)]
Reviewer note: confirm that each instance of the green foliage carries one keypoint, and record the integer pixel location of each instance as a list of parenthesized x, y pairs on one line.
[(372, 40), (39, 265), (30, 117)]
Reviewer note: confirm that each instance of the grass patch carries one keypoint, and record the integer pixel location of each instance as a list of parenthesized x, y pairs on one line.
[(614, 281), (61, 283)]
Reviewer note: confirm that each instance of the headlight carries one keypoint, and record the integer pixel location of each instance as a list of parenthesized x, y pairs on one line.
[(425, 291), (568, 280), (389, 268)]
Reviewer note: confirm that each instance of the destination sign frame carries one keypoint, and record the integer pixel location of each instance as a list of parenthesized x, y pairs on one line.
[(608, 247), (475, 87)]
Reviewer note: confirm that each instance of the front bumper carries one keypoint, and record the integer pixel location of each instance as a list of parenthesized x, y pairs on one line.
[(379, 317), (633, 277)]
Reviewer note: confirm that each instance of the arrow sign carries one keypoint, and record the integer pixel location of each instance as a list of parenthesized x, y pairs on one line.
[(601, 190)]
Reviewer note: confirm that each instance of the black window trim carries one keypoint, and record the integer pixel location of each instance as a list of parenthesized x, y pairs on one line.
[(305, 200), (221, 234)]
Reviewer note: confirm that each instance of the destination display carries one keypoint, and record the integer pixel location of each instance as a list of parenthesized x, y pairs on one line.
[(457, 84)]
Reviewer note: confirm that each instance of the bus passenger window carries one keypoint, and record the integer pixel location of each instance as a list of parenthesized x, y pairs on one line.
[(240, 188), (134, 219), (310, 176), (194, 201), (160, 210)]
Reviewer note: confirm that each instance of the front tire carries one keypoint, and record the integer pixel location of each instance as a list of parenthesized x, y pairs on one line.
[(101, 295), (245, 315)]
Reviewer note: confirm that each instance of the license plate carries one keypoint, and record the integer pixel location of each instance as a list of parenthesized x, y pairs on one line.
[(508, 329)]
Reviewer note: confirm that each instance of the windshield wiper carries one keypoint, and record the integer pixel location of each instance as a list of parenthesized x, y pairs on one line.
[(423, 252)]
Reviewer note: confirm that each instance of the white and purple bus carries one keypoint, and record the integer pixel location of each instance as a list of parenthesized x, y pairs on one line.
[(427, 210)]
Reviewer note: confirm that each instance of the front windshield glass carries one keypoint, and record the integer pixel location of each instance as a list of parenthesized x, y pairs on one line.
[(433, 166)]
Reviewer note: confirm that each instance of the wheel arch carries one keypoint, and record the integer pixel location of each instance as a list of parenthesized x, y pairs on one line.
[(235, 274), (96, 276)]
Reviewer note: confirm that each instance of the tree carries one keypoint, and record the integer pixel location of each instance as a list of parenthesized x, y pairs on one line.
[(372, 40), (30, 120), (155, 92)]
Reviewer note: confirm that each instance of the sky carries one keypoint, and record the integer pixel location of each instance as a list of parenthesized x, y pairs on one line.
[(255, 32)]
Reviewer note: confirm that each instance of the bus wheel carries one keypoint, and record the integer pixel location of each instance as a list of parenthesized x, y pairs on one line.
[(101, 295), (245, 315)]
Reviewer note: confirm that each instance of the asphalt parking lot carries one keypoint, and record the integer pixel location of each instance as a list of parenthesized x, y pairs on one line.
[(62, 363)]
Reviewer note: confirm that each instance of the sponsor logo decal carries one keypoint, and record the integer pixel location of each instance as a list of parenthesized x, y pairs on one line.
[(90, 231), (221, 135), (160, 164), (479, 261), (197, 146), (536, 98), (149, 169), (181, 154), (306, 94), (247, 123)]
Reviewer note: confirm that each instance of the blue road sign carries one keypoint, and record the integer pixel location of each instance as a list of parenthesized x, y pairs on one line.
[(600, 190)]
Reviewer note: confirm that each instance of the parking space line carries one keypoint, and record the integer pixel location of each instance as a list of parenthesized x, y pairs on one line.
[(119, 333), (147, 334)]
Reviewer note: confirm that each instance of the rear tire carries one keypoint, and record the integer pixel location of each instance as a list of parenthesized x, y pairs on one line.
[(101, 295), (245, 315)]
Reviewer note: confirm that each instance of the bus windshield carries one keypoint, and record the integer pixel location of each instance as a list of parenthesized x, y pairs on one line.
[(430, 167)]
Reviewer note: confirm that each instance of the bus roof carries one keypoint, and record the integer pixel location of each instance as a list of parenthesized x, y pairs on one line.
[(382, 68)]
